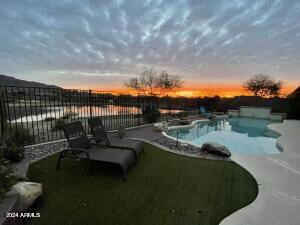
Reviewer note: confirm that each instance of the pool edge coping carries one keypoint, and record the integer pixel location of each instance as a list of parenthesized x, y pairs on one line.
[(183, 127)]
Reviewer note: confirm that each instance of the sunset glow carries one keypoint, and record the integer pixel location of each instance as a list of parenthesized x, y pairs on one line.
[(208, 90)]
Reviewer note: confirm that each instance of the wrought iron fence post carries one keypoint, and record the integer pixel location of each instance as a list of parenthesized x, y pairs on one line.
[(3, 116), (139, 108), (185, 112), (177, 139), (169, 117), (90, 103)]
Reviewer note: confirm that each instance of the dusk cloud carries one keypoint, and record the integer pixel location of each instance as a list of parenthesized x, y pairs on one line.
[(105, 42)]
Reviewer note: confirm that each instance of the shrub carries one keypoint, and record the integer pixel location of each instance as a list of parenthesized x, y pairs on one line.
[(137, 116), (151, 114), (49, 119), (13, 152), (68, 115), (58, 125), (6, 178), (182, 115), (294, 107), (21, 135)]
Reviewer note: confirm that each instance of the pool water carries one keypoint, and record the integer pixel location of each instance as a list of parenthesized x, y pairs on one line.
[(240, 135)]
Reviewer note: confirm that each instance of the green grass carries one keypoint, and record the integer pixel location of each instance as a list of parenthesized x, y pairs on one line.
[(162, 189)]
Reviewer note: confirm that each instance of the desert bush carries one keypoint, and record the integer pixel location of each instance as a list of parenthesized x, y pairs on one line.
[(182, 115), (294, 103), (6, 178), (21, 135), (49, 119), (12, 152), (58, 125), (68, 115), (151, 114), (137, 116)]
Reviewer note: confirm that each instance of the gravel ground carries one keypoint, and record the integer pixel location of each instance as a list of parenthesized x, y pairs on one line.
[(41, 151), (178, 146)]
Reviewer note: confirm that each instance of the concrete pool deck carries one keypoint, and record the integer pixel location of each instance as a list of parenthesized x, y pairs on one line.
[(278, 178)]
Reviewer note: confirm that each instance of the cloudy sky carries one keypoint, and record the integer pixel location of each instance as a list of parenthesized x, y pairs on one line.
[(100, 43)]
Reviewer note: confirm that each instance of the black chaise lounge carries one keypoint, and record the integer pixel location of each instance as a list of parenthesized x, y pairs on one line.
[(81, 147), (101, 137)]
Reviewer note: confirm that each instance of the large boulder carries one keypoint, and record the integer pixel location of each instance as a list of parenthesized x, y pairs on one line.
[(216, 149), (28, 192), (161, 126)]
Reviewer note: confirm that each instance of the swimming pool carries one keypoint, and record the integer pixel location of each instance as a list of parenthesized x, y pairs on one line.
[(240, 135)]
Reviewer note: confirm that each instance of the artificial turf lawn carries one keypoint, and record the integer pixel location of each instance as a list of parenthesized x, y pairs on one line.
[(163, 188)]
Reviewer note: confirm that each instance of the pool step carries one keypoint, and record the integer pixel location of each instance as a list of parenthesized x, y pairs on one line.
[(271, 134)]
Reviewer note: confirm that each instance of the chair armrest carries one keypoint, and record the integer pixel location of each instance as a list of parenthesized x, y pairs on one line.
[(99, 140)]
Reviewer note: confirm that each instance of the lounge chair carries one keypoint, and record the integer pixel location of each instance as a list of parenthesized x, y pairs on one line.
[(81, 147), (100, 136)]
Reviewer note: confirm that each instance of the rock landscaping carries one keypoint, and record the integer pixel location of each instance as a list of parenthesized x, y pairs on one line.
[(213, 149), (42, 151), (178, 146)]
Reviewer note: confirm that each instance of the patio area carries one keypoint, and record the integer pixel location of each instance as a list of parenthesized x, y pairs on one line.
[(277, 176)]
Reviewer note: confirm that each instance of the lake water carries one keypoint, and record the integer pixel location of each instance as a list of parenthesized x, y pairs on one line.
[(84, 111)]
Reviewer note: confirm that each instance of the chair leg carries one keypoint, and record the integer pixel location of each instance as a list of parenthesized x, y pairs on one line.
[(58, 162), (91, 168), (124, 174)]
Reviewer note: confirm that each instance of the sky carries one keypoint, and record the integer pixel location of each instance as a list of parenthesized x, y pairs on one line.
[(214, 44)]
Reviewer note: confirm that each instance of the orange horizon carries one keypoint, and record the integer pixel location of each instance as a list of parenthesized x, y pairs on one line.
[(208, 90)]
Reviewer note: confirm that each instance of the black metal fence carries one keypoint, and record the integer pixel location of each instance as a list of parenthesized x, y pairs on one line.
[(38, 114)]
